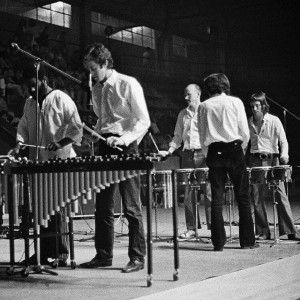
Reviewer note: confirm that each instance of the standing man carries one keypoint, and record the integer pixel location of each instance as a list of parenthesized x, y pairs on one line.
[(187, 132), (123, 119), (224, 134), (59, 126), (266, 135)]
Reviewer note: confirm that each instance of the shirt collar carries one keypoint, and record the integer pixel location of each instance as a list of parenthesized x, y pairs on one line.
[(112, 78), (193, 112), (266, 118)]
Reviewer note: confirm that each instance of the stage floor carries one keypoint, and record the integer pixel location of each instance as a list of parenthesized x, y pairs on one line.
[(268, 272)]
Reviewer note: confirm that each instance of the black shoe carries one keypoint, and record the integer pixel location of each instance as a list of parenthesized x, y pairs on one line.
[(256, 245), (294, 236), (96, 263), (133, 266), (62, 263), (218, 248)]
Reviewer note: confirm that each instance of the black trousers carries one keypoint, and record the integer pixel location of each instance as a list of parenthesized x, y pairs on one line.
[(223, 158), (104, 214)]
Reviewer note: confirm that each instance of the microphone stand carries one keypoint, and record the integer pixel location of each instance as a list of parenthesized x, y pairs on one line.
[(285, 110), (14, 45)]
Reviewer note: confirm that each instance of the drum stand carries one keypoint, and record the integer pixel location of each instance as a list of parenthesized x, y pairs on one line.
[(157, 238), (229, 200), (196, 188), (274, 186)]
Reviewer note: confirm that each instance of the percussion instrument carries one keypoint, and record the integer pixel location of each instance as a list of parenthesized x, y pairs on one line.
[(57, 183), (183, 176), (282, 173), (259, 175), (201, 175), (193, 177), (62, 183), (161, 182)]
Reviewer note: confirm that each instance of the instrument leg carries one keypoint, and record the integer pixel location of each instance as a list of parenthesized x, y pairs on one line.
[(149, 228), (11, 209), (275, 217), (228, 197), (71, 238), (175, 226)]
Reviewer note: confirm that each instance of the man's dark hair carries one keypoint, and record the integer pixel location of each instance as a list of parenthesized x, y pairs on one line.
[(217, 83), (261, 97), (99, 54)]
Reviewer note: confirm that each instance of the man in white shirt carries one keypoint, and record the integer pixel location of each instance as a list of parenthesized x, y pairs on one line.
[(224, 134), (187, 132), (123, 119), (59, 126), (266, 135)]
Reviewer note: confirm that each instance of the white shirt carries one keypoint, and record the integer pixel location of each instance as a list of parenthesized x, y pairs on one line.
[(186, 130), (271, 135), (58, 118), (121, 108), (222, 118)]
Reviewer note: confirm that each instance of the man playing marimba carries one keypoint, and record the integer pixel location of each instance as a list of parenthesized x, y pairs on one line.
[(59, 126)]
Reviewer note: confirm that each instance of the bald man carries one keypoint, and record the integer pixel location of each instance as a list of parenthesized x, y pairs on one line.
[(186, 134)]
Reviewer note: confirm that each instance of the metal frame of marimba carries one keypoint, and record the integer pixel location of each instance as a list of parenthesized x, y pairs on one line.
[(128, 164)]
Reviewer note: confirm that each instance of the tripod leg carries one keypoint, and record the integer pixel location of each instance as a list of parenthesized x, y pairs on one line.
[(276, 239)]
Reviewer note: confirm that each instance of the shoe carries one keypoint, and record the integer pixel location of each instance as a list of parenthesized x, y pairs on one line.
[(262, 237), (218, 248), (256, 245), (96, 263), (294, 236), (188, 234), (133, 266), (62, 263)]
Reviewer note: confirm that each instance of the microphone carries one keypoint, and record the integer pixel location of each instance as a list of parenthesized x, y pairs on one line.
[(91, 88), (15, 45)]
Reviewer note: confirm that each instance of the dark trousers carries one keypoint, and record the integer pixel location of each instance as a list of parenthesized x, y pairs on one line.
[(104, 214), (260, 194), (229, 158)]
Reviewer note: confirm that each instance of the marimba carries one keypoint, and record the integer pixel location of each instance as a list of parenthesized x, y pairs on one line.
[(50, 185)]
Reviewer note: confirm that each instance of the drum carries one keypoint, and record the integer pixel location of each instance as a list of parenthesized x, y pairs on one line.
[(183, 176), (200, 175), (259, 175), (281, 173), (160, 179)]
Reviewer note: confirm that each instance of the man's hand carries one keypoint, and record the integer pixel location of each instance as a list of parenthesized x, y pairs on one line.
[(164, 153), (284, 160), (54, 146), (15, 151), (114, 141), (91, 138)]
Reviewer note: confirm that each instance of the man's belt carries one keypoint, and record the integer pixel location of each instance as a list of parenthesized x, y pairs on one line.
[(193, 150), (264, 156)]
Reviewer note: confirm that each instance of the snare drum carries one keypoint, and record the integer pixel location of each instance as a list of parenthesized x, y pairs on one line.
[(161, 179), (201, 175), (183, 176), (259, 175), (281, 173), (161, 182)]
